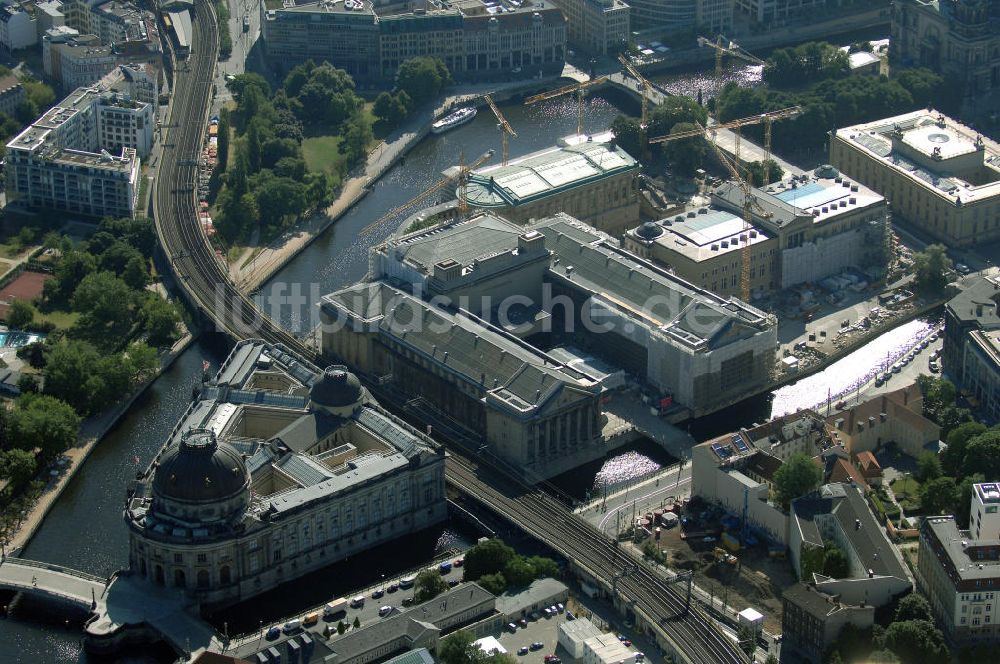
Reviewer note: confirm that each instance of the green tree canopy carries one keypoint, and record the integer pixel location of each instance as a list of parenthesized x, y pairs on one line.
[(797, 476), (982, 455), (159, 319), (518, 572), (685, 155), (928, 466), (487, 557), (422, 78), (429, 584), (18, 466), (494, 583), (953, 457), (104, 302), (45, 423), (756, 171), (913, 607), (460, 648), (805, 63), (391, 108), (628, 133), (916, 642), (938, 393), (930, 268), (939, 496), (84, 378), (835, 564), (20, 315)]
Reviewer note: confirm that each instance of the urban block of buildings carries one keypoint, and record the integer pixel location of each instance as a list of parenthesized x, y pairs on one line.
[(17, 27), (11, 94), (940, 176), (971, 349), (957, 38), (959, 570), (593, 181), (585, 642), (83, 155), (466, 315), (277, 469), (895, 417), (599, 27), (803, 230), (838, 515), (475, 40)]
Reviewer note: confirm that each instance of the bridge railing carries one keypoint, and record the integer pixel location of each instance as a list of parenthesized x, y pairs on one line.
[(24, 562)]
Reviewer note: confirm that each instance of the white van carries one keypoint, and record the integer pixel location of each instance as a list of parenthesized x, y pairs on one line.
[(407, 581), (292, 626), (357, 602)]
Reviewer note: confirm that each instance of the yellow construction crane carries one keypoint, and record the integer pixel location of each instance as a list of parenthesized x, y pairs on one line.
[(461, 175), (764, 118), (722, 47), (749, 200), (504, 127), (579, 88), (645, 85)]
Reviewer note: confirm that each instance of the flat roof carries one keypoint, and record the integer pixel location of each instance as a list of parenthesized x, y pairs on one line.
[(546, 172), (703, 234), (923, 131), (958, 552), (988, 492), (483, 235)]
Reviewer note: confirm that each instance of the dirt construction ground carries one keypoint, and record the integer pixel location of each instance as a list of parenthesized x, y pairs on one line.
[(756, 580)]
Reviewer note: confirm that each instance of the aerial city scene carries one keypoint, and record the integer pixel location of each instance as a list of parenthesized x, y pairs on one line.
[(499, 331)]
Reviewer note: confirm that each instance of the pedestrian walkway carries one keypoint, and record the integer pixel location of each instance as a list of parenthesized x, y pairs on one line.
[(52, 581)]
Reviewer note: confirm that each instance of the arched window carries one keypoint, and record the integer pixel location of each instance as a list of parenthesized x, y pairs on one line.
[(179, 579), (203, 578), (142, 567), (159, 575), (224, 577)]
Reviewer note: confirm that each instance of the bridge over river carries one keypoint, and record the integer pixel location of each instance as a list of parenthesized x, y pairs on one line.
[(52, 582)]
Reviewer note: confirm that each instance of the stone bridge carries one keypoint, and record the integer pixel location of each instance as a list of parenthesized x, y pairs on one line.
[(52, 581)]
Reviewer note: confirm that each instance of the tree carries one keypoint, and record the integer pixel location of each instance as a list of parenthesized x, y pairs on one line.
[(797, 476), (138, 233), (71, 270), (518, 572), (674, 110), (544, 567), (487, 557), (76, 373), (938, 393), (135, 274), (357, 622), (224, 129), (930, 267), (45, 423), (280, 201), (939, 496), (429, 584), (159, 319), (357, 137), (964, 507), (916, 642), (755, 170), (390, 109), (18, 466), (958, 438), (141, 361), (458, 648), (835, 564), (982, 455), (422, 78), (494, 583), (928, 466), (20, 315), (104, 302), (913, 607), (686, 154), (628, 133), (951, 417), (27, 383), (341, 627)]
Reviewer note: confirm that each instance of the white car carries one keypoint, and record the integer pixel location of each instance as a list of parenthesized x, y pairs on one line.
[(383, 611)]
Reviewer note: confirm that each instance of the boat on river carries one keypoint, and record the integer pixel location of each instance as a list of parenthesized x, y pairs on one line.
[(454, 119)]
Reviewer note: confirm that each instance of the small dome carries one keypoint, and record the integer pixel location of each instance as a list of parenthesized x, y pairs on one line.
[(826, 171), (336, 388), (200, 470), (649, 231)]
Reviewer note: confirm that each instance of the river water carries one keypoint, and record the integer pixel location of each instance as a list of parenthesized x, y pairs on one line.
[(84, 530)]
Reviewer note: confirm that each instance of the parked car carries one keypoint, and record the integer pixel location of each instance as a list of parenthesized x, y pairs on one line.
[(292, 626), (393, 587), (383, 611), (511, 627), (523, 650), (962, 268), (273, 633), (522, 622), (407, 601), (378, 593), (560, 607), (459, 562), (537, 645)]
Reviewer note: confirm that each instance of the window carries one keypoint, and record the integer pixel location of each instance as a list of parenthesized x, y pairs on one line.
[(178, 557), (202, 558)]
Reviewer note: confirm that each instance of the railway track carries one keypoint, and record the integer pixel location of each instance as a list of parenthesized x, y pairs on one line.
[(207, 287)]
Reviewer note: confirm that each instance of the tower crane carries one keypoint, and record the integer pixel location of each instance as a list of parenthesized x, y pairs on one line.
[(733, 165), (579, 88), (504, 127), (645, 85), (722, 47), (461, 175), (764, 118)]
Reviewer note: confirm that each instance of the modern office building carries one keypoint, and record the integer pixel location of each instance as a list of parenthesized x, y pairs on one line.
[(802, 230), (778, 11), (82, 155), (959, 574), (957, 38), (715, 16), (971, 350), (277, 469), (369, 41), (668, 15), (593, 181), (599, 27), (488, 306), (940, 176)]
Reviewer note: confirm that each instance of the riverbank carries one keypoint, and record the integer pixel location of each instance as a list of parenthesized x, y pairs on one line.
[(92, 431), (249, 273)]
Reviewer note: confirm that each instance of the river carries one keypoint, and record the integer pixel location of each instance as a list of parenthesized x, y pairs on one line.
[(84, 530)]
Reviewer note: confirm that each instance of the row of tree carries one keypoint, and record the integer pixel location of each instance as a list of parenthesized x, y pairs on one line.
[(676, 114), (418, 82), (497, 567)]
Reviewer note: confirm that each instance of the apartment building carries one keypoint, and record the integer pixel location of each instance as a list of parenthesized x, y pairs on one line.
[(18, 28), (135, 81), (473, 40), (971, 350), (959, 570), (82, 155), (941, 176), (812, 620), (11, 94)]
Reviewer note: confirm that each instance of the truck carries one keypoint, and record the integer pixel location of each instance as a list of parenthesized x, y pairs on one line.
[(335, 607)]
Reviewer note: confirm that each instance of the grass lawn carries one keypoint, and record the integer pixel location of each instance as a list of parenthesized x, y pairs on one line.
[(907, 491), (63, 320), (322, 153)]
